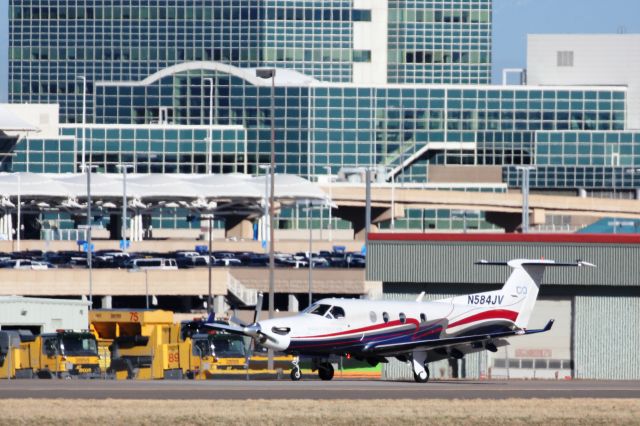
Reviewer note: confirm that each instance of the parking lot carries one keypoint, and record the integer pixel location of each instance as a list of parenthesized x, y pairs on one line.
[(184, 259)]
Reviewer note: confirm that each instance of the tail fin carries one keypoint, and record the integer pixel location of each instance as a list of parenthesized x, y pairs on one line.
[(520, 291), (523, 285)]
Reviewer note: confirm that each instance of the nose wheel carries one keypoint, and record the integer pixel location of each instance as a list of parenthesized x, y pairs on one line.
[(295, 374), (295, 370)]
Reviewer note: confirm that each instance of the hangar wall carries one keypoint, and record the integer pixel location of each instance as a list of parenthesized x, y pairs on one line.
[(607, 341), (604, 302)]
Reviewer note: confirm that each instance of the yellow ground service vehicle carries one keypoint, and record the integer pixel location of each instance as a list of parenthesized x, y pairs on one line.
[(143, 344), (212, 352), (11, 356), (63, 354)]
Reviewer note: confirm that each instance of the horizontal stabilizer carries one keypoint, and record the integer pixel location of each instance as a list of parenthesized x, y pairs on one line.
[(528, 262)]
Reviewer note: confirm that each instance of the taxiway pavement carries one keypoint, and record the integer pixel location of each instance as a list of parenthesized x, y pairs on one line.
[(316, 389)]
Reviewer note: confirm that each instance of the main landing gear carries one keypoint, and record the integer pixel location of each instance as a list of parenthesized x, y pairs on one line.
[(420, 369), (325, 370)]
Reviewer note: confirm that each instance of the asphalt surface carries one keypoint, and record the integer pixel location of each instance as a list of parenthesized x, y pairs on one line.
[(315, 389)]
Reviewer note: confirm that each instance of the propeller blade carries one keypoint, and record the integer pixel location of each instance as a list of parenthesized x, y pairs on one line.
[(229, 329), (256, 315), (234, 319)]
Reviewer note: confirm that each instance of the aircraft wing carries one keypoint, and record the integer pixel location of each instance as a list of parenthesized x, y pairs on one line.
[(390, 347)]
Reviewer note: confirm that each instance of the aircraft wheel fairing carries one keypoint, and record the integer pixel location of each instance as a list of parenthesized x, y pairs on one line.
[(295, 374), (325, 371)]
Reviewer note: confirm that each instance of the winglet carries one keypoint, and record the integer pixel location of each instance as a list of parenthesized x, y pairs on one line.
[(420, 297), (549, 325)]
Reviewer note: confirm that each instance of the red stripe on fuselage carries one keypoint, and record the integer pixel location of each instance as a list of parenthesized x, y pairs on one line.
[(363, 329), (495, 314)]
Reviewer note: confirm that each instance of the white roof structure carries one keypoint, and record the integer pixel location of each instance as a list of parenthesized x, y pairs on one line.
[(10, 122), (230, 192)]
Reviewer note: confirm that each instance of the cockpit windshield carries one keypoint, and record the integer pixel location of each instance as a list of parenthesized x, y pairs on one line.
[(317, 309), (337, 312)]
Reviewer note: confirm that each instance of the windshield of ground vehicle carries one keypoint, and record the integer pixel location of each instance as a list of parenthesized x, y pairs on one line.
[(228, 346), (83, 344), (201, 346)]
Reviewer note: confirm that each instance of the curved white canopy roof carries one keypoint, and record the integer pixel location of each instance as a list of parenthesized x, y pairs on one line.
[(191, 191)]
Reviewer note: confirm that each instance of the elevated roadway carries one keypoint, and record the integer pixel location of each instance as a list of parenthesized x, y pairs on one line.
[(510, 202)]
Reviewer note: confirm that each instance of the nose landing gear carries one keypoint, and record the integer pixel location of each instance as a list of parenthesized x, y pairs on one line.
[(295, 370)]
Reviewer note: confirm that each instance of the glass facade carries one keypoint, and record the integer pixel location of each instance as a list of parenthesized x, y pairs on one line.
[(150, 149), (440, 41), (147, 65)]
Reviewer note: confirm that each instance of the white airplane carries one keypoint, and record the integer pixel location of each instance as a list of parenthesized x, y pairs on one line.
[(418, 332)]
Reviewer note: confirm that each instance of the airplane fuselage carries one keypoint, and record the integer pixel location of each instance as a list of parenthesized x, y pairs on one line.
[(349, 326)]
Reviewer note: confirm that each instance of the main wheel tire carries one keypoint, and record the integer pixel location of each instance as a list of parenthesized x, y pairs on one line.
[(325, 371), (423, 379), (295, 374)]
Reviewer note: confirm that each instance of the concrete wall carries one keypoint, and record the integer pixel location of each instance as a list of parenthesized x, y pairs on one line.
[(603, 59), (463, 174), (114, 282), (183, 282), (371, 36), (328, 281)]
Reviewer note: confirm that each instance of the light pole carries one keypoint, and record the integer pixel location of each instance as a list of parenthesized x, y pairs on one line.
[(209, 264), (330, 176), (525, 196), (210, 131), (19, 211), (88, 168), (84, 118), (265, 215), (271, 73), (393, 198), (309, 220), (124, 168)]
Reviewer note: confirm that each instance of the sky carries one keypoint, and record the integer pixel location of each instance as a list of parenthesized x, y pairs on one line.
[(512, 21)]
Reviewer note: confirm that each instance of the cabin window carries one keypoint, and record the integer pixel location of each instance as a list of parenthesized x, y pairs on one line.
[(403, 317), (385, 317), (423, 318), (373, 317), (337, 312)]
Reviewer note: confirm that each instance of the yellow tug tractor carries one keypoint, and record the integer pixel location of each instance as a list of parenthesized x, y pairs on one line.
[(62, 354)]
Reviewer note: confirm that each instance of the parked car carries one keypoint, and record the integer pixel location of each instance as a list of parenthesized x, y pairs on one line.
[(152, 263), (317, 260), (192, 261), (24, 264), (356, 260)]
